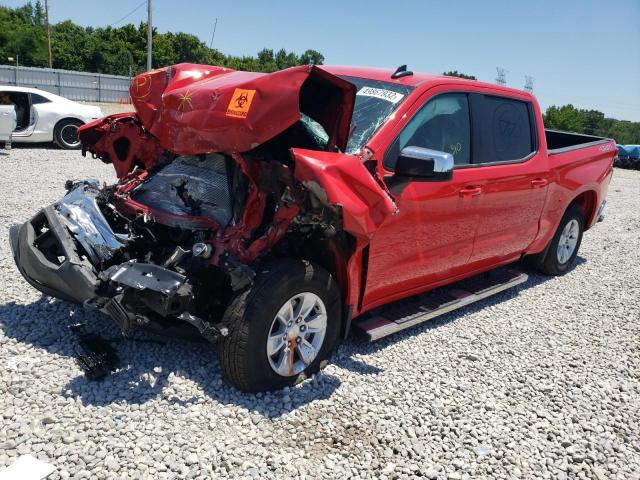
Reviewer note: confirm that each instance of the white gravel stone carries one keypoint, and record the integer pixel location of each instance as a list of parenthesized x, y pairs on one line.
[(540, 381)]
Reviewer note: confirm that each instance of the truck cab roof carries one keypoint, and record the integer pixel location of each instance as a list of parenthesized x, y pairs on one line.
[(420, 80)]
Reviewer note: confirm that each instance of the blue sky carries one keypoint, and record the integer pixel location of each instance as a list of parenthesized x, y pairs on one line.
[(581, 52)]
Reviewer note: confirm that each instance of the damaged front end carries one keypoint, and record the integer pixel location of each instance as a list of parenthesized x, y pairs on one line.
[(81, 249), (218, 170)]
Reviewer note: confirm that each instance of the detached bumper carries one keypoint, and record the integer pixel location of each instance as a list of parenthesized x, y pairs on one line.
[(53, 253), (46, 255)]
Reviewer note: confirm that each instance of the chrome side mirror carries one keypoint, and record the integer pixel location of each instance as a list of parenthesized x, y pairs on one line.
[(424, 164)]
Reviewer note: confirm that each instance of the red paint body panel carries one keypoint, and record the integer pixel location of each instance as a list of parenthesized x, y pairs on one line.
[(193, 109), (439, 236)]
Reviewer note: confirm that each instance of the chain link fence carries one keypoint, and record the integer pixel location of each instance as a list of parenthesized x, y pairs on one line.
[(82, 86)]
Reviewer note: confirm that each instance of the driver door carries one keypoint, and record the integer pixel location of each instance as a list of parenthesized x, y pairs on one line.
[(431, 238)]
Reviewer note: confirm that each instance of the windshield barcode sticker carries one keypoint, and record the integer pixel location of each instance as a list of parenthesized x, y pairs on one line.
[(388, 95)]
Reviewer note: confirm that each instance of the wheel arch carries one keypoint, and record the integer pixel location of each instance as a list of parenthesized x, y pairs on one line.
[(332, 254), (587, 202), (66, 118)]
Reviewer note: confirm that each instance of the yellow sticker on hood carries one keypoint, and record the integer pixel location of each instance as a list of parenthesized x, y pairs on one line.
[(240, 103)]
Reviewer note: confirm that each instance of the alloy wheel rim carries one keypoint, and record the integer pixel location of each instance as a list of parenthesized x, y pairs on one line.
[(69, 135), (297, 334), (568, 241)]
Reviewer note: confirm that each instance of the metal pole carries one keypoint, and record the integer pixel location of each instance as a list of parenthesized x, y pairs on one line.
[(17, 65), (46, 21), (149, 35), (214, 33)]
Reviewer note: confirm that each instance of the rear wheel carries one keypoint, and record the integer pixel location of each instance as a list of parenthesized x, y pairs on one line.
[(283, 328), (66, 134), (564, 245)]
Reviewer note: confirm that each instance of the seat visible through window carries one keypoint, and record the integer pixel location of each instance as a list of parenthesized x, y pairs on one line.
[(443, 125)]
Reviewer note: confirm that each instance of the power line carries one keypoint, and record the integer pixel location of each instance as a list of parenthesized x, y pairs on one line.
[(130, 13)]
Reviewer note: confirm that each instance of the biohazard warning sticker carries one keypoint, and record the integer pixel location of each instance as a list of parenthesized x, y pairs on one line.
[(381, 93), (240, 103)]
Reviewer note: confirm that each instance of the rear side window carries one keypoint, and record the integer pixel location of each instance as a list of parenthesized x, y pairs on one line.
[(35, 99), (502, 129)]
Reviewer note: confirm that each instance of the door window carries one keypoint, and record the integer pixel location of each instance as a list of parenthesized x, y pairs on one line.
[(502, 129), (441, 124), (36, 99)]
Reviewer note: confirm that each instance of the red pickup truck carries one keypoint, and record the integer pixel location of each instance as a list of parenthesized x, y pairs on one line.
[(274, 213)]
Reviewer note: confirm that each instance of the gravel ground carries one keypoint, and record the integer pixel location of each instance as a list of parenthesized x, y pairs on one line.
[(539, 382)]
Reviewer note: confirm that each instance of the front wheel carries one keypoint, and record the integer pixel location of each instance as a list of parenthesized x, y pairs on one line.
[(564, 245), (283, 328), (66, 134)]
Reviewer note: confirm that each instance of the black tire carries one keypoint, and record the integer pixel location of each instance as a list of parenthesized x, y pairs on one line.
[(62, 134), (547, 261), (249, 317)]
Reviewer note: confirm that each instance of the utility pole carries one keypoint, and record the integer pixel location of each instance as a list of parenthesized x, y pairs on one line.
[(17, 60), (501, 79), (149, 35), (46, 23), (214, 33), (528, 83)]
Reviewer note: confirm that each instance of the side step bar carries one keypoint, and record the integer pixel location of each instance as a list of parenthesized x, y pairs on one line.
[(407, 313)]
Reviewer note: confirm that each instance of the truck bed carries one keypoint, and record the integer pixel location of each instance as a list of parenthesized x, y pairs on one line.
[(559, 141)]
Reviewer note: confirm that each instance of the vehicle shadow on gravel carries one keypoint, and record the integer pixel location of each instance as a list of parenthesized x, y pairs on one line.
[(535, 279), (35, 146), (152, 364)]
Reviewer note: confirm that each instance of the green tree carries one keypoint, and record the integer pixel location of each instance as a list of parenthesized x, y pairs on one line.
[(122, 49), (38, 14), (163, 53), (285, 59), (591, 122), (69, 44), (311, 57), (455, 73), (21, 34), (188, 48)]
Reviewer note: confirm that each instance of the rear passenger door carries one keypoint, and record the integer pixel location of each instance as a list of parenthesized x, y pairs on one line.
[(514, 174)]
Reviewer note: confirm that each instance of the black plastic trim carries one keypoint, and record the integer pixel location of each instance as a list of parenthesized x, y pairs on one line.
[(71, 280)]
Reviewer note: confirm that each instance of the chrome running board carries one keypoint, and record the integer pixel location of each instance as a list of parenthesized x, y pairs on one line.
[(413, 311)]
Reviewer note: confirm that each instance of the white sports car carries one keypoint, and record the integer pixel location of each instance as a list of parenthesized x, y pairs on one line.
[(44, 117)]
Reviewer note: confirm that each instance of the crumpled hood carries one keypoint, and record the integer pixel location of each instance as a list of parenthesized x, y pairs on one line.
[(193, 109)]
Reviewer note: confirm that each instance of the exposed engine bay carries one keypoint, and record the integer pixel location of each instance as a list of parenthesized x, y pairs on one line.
[(201, 201)]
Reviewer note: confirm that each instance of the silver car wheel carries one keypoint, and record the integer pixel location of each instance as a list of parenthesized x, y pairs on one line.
[(568, 241), (297, 334)]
